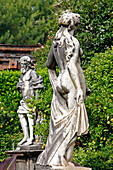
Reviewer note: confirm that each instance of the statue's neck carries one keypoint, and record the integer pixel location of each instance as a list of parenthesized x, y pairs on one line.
[(71, 32), (66, 31)]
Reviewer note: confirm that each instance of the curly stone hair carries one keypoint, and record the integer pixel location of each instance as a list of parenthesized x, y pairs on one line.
[(68, 19), (27, 59)]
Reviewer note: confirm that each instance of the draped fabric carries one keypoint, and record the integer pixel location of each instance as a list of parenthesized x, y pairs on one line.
[(65, 125)]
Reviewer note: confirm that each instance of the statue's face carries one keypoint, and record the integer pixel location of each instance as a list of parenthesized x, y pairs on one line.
[(24, 67), (75, 21)]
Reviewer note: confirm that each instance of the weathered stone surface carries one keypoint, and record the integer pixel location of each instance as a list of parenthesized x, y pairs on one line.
[(26, 160), (39, 167), (68, 113), (28, 83), (35, 147)]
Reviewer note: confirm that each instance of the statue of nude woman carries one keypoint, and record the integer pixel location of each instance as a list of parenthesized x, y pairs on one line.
[(68, 114)]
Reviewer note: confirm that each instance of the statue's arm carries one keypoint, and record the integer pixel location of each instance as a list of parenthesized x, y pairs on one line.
[(51, 65), (20, 85), (74, 73), (36, 81), (88, 91)]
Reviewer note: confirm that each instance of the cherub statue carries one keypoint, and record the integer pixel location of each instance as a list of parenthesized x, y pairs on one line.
[(28, 83)]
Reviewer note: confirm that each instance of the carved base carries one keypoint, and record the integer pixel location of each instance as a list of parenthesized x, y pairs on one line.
[(58, 168), (26, 159), (70, 167), (35, 146), (31, 147)]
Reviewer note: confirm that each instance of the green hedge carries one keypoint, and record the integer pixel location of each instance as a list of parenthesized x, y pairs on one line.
[(99, 104), (9, 102), (96, 159)]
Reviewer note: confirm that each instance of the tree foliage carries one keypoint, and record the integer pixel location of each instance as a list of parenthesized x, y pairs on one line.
[(29, 22), (25, 22), (95, 30)]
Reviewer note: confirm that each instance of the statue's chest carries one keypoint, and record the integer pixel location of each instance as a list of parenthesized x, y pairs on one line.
[(27, 76)]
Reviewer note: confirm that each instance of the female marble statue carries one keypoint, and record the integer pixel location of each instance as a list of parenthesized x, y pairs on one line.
[(68, 114)]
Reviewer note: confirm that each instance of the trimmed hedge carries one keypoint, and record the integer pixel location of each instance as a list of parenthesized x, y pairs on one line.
[(99, 104), (9, 102), (96, 159)]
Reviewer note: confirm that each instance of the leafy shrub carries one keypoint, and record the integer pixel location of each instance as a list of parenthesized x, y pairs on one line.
[(41, 54), (97, 160), (99, 104), (9, 102)]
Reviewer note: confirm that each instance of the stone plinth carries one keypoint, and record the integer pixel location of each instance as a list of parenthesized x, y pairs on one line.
[(70, 167), (26, 159), (35, 146)]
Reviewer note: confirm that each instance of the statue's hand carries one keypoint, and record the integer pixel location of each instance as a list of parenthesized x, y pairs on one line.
[(80, 97), (20, 87)]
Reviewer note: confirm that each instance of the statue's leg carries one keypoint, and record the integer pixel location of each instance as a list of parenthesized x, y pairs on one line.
[(31, 124), (71, 103), (31, 128), (69, 153), (24, 128)]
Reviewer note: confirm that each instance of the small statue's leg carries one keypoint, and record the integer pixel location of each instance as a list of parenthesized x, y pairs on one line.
[(31, 124), (31, 128), (24, 128)]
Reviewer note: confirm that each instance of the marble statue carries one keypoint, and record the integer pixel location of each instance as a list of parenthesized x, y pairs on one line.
[(68, 113), (28, 83)]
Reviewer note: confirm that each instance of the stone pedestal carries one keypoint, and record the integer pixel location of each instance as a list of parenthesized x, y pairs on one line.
[(39, 167), (26, 159)]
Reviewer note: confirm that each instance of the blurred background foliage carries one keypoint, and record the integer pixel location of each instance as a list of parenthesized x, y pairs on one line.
[(32, 22), (29, 22)]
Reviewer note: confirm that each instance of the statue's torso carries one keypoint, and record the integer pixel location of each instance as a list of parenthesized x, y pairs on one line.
[(63, 53), (27, 84)]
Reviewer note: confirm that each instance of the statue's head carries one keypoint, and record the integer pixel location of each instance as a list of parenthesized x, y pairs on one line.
[(26, 63), (69, 20)]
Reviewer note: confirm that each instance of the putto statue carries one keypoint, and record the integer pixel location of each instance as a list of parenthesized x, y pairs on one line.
[(28, 83), (68, 114)]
